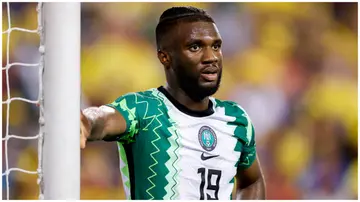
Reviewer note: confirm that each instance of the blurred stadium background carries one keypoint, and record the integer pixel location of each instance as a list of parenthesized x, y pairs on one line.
[(293, 66)]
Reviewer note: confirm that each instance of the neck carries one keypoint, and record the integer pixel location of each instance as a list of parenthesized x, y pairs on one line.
[(185, 100)]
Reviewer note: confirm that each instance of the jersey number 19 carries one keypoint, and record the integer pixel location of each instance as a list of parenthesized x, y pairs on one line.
[(214, 187)]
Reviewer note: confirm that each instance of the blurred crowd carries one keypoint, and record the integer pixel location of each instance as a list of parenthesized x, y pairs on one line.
[(292, 66)]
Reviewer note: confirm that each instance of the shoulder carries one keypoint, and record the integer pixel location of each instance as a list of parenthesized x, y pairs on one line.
[(231, 108), (140, 96), (240, 119), (138, 100)]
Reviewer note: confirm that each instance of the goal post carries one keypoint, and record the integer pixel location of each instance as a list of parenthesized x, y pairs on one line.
[(61, 84)]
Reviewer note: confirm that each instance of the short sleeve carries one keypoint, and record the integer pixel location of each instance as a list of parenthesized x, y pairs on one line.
[(248, 152), (126, 105)]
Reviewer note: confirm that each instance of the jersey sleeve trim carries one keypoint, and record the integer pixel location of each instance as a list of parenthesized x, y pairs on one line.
[(123, 113), (125, 105)]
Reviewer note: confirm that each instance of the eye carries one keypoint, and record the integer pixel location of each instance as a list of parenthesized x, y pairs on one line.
[(216, 47), (194, 47)]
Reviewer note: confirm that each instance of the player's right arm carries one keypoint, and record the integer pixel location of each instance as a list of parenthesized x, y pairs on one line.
[(117, 121), (100, 122)]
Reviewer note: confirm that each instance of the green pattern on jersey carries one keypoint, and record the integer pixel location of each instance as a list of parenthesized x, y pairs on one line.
[(124, 169), (132, 123), (245, 135), (155, 127), (172, 176)]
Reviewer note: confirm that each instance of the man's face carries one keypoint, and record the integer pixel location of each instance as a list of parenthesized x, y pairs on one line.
[(197, 58)]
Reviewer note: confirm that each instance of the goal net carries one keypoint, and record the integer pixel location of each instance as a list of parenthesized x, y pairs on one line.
[(58, 99)]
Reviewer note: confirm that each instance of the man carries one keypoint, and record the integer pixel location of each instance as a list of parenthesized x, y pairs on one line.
[(175, 141)]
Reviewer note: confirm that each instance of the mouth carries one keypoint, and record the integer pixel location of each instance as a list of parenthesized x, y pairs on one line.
[(209, 76), (210, 73)]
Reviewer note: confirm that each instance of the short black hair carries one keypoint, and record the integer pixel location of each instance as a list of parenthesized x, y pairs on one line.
[(172, 16)]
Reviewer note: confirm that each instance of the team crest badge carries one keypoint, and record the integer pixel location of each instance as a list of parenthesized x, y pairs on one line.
[(207, 138)]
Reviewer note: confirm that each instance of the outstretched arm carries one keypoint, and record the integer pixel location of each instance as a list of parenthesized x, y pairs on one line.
[(250, 183), (100, 122)]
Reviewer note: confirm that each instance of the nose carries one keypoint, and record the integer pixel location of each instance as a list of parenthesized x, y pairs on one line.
[(209, 56)]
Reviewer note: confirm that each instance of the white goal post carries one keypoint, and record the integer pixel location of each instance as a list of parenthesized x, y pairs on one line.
[(61, 84), (58, 100)]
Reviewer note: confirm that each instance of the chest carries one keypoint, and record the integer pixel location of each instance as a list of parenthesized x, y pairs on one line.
[(200, 142), (209, 144)]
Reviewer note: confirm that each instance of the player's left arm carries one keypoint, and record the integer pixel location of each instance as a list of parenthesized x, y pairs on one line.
[(250, 183)]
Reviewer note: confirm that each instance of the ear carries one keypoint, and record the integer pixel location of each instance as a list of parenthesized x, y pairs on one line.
[(164, 58)]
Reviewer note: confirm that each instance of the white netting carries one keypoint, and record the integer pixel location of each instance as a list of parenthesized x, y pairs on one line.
[(38, 102)]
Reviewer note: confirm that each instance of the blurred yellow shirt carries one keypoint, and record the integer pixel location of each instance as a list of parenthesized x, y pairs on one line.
[(114, 66)]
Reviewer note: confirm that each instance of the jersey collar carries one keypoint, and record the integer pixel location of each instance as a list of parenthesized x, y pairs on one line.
[(184, 109)]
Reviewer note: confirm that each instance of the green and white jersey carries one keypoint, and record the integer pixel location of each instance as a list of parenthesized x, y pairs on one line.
[(171, 152)]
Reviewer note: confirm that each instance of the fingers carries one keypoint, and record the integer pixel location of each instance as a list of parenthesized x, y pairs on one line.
[(82, 117), (84, 130), (82, 142), (82, 136)]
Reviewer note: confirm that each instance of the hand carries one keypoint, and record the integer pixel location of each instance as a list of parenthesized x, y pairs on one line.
[(85, 129)]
